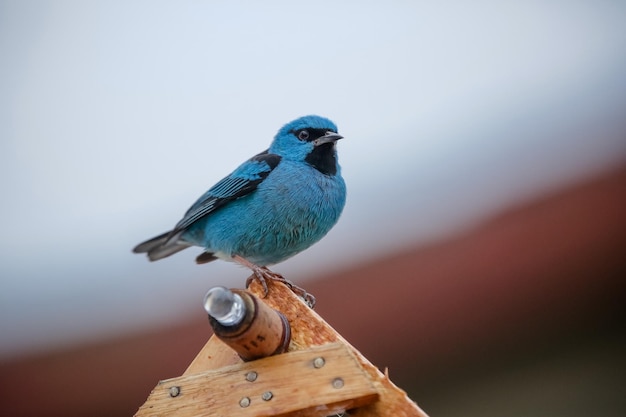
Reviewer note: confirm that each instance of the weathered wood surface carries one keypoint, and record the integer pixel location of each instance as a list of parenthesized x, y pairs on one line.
[(216, 360), (319, 381)]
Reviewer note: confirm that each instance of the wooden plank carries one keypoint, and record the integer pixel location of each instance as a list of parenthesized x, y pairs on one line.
[(315, 382), (213, 355)]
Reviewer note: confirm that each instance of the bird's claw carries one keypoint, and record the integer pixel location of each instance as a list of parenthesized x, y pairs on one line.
[(309, 299), (264, 274), (262, 280)]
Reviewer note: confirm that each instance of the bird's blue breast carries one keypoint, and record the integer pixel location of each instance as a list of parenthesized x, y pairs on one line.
[(294, 207)]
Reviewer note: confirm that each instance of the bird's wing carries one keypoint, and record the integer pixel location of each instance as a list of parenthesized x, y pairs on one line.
[(241, 182)]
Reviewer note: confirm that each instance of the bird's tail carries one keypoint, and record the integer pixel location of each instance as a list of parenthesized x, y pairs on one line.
[(161, 246)]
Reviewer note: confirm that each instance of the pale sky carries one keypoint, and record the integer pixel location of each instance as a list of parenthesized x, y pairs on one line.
[(116, 115)]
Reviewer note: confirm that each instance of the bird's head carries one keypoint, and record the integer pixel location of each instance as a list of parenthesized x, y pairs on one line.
[(309, 139)]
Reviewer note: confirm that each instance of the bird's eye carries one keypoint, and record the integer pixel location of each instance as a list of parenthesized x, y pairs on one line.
[(303, 135)]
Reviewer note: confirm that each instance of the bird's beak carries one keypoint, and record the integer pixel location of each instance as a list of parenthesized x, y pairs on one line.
[(329, 137)]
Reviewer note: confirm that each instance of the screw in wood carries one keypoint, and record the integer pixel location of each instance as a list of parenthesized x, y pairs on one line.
[(318, 362), (251, 376), (244, 402), (174, 391)]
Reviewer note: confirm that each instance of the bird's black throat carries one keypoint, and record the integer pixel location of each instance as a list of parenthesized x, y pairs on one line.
[(323, 158)]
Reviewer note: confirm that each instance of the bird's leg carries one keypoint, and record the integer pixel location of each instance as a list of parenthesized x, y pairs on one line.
[(262, 274)]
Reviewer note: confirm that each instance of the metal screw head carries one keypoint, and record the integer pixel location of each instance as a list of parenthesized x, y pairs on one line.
[(337, 383), (318, 362), (251, 376), (174, 391), (244, 402), (267, 395)]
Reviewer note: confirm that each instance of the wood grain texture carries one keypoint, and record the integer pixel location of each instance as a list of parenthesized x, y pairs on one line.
[(290, 382)]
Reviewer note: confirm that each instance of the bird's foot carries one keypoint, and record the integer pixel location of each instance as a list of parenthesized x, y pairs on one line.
[(263, 274)]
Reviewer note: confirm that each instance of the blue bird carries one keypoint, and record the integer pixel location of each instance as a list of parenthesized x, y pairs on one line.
[(273, 206)]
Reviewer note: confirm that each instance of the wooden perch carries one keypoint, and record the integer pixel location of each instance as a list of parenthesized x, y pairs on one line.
[(296, 383), (259, 331)]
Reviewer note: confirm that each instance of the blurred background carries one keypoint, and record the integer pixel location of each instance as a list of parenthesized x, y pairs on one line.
[(481, 254)]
